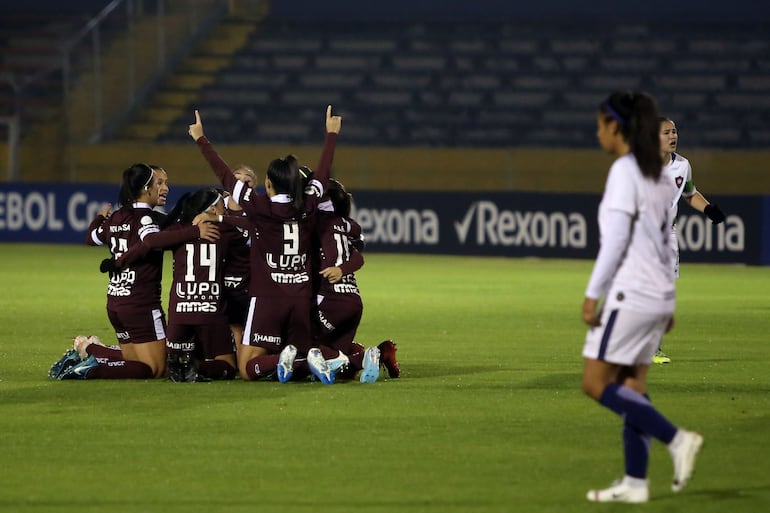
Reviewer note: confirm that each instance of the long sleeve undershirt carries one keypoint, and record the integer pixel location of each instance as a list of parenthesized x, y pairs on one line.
[(615, 237)]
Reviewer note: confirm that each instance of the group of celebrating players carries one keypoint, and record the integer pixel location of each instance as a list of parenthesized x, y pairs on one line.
[(263, 283)]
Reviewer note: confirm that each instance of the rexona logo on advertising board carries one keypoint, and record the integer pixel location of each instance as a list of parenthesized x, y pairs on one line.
[(536, 224), (394, 226), (512, 224), (485, 223), (698, 233)]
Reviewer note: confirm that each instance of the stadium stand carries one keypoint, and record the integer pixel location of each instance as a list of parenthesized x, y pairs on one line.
[(484, 84), (431, 84), (30, 45)]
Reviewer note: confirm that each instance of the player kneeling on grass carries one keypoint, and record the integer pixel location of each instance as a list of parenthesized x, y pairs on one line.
[(338, 309), (133, 293), (279, 277), (199, 344)]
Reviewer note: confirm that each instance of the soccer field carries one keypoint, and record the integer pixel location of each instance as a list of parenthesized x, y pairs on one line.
[(488, 415)]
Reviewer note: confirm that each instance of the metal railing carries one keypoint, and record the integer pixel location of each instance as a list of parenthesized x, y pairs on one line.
[(105, 71)]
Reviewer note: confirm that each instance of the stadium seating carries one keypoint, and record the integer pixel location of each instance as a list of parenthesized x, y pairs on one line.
[(490, 84)]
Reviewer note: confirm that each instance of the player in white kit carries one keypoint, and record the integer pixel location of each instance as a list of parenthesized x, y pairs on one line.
[(678, 170), (634, 277)]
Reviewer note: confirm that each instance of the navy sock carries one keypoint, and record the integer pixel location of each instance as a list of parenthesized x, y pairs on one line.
[(638, 411), (636, 446)]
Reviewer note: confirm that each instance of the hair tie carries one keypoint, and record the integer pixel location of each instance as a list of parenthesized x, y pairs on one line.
[(614, 114), (149, 180), (217, 200)]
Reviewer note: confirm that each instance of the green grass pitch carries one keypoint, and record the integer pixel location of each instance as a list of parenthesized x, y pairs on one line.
[(487, 417)]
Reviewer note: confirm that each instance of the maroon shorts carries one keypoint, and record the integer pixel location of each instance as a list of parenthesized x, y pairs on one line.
[(336, 321), (274, 322), (138, 326), (211, 339), (236, 305)]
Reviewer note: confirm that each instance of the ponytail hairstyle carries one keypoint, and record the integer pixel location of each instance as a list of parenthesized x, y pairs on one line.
[(340, 198), (136, 179), (285, 177), (191, 204), (292, 160), (637, 117)]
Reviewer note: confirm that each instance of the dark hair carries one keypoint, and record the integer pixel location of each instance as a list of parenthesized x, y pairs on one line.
[(292, 160), (136, 179), (637, 117), (285, 177), (191, 204), (340, 198)]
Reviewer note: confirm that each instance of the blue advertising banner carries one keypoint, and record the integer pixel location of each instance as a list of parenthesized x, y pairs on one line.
[(520, 224), (41, 212), (513, 224)]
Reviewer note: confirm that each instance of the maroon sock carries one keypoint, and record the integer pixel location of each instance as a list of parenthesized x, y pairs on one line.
[(109, 352), (357, 358), (216, 369), (120, 369), (301, 370), (261, 366), (329, 353)]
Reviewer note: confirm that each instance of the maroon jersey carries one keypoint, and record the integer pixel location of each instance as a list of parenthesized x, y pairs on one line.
[(236, 273), (335, 250), (281, 238), (137, 285), (196, 294)]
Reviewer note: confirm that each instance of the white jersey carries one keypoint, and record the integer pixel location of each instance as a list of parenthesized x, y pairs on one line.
[(634, 269), (678, 170)]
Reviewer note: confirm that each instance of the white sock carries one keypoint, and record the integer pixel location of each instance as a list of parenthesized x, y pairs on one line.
[(635, 482), (677, 440)]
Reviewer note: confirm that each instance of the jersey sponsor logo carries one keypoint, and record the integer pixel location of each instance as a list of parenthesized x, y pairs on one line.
[(290, 278), (395, 226), (197, 291), (121, 283), (325, 322), (118, 290), (269, 339), (232, 282), (287, 262), (698, 233), (180, 346), (344, 288), (196, 307), (125, 227), (521, 228)]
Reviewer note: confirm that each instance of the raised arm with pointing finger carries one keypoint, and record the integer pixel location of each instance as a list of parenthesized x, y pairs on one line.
[(238, 188)]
